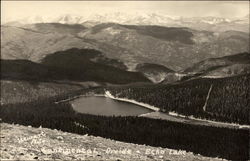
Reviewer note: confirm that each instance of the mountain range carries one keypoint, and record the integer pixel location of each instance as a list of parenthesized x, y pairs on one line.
[(160, 52), (175, 48), (210, 23)]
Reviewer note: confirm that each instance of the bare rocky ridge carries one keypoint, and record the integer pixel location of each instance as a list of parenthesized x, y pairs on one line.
[(28, 143)]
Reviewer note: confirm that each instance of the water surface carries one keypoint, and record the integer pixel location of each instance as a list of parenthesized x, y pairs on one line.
[(107, 106)]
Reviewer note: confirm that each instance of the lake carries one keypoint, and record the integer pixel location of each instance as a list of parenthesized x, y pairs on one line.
[(107, 106)]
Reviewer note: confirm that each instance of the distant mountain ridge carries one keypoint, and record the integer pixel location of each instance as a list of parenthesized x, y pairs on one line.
[(223, 66), (212, 63), (154, 18), (227, 66)]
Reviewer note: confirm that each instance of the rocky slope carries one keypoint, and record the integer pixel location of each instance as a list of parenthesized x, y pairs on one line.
[(28, 143)]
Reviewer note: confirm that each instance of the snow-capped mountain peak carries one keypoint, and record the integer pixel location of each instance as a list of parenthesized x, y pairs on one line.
[(151, 18), (69, 19)]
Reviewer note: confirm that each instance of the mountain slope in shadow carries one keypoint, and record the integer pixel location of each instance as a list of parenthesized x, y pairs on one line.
[(155, 72), (73, 64)]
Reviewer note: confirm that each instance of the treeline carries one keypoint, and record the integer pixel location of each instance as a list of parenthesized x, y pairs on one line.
[(208, 141), (229, 98)]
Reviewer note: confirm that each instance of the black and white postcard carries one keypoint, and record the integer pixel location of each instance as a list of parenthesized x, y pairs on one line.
[(125, 80)]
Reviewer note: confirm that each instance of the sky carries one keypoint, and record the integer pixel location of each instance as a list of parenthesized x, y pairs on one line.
[(14, 10)]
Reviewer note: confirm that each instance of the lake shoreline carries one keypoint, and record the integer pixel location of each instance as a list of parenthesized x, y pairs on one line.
[(187, 119), (190, 119), (109, 95)]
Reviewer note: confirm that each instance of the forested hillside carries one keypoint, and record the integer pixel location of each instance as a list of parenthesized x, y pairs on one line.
[(155, 72), (228, 100), (83, 64), (73, 64), (208, 141)]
